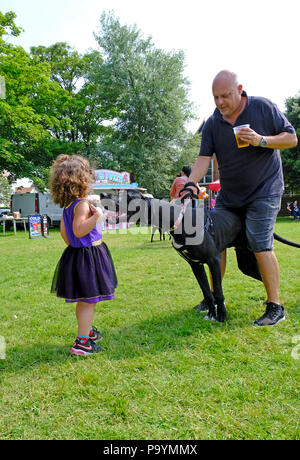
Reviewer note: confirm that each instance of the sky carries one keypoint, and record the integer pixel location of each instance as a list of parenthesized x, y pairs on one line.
[(257, 39)]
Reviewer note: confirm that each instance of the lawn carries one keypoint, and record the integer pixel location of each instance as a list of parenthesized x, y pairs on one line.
[(164, 372)]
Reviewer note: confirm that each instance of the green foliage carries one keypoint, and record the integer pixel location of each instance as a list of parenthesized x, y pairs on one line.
[(85, 108), (187, 152), (8, 26), (27, 114), (125, 108), (291, 157)]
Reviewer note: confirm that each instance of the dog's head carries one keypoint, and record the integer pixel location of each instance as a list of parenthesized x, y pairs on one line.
[(131, 204)]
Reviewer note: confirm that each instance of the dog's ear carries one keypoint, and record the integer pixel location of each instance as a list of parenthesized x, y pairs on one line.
[(134, 194), (247, 262)]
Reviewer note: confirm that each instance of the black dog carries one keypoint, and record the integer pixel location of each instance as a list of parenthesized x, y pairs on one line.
[(220, 230)]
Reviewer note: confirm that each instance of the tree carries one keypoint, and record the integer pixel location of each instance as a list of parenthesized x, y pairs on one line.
[(50, 106), (8, 26), (28, 113), (187, 153), (291, 157), (148, 88), (81, 114), (124, 107)]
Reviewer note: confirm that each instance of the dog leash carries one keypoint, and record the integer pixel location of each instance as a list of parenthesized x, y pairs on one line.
[(180, 217)]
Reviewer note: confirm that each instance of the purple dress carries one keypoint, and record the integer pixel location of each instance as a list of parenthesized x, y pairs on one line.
[(85, 271)]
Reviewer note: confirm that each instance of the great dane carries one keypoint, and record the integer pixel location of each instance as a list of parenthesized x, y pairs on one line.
[(199, 236)]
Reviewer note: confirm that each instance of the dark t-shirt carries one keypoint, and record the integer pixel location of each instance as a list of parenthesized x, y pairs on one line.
[(249, 172)]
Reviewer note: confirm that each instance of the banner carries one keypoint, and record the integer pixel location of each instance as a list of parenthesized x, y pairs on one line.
[(108, 179), (35, 226)]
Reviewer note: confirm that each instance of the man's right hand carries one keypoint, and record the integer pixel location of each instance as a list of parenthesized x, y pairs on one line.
[(189, 191), (199, 170)]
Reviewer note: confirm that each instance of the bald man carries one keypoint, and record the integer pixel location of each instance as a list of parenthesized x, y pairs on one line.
[(251, 177)]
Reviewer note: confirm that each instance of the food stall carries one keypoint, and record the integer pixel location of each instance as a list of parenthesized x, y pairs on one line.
[(108, 181)]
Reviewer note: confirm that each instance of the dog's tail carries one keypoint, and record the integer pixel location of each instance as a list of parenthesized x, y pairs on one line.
[(284, 241)]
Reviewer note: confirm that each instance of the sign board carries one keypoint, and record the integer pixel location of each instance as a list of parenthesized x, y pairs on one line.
[(108, 179), (35, 226), (38, 226)]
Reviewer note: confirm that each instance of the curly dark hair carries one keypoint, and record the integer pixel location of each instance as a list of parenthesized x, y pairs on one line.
[(187, 170), (70, 179)]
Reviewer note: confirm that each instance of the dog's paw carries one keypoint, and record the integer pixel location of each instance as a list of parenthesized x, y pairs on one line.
[(222, 315), (202, 306)]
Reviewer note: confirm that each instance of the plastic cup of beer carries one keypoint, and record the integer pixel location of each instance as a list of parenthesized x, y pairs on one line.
[(239, 142)]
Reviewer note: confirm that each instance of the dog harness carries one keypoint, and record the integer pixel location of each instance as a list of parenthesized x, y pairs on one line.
[(184, 250)]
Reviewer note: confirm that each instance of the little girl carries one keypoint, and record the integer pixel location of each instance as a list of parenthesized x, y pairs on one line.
[(85, 272)]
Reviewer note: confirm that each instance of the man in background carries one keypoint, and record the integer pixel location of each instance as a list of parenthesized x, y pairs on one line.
[(179, 182)]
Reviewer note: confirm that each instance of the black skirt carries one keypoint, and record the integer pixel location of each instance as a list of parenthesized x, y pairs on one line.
[(85, 274)]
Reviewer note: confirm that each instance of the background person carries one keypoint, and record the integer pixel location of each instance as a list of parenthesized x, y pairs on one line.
[(251, 177), (294, 210), (212, 204), (179, 182)]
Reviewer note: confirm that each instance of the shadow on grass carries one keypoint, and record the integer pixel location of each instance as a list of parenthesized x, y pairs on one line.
[(155, 335), (24, 357), (159, 334)]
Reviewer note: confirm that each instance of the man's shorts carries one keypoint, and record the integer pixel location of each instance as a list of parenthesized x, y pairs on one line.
[(260, 217)]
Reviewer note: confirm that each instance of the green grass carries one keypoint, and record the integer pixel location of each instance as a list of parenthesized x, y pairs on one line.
[(164, 372)]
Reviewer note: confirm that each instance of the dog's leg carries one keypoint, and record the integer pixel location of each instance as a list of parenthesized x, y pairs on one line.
[(152, 235), (200, 274), (215, 269)]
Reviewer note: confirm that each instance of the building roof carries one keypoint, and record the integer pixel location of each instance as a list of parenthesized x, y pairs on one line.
[(25, 190)]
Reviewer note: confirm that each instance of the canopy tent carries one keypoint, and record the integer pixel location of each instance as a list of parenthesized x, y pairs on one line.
[(214, 186)]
